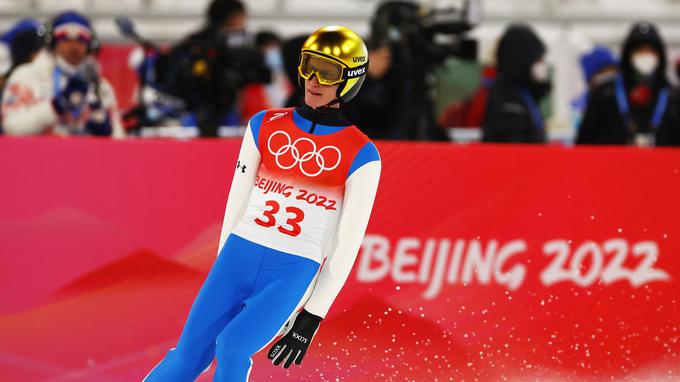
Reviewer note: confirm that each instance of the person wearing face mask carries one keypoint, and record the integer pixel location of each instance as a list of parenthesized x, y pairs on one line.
[(301, 196), (601, 73), (269, 43), (512, 113), (225, 20), (290, 52), (60, 91), (217, 71), (638, 107)]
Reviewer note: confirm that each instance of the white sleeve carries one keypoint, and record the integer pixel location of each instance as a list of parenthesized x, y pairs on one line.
[(241, 185), (23, 113), (360, 190)]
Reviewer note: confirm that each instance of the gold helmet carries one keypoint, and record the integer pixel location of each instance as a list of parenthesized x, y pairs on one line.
[(336, 55)]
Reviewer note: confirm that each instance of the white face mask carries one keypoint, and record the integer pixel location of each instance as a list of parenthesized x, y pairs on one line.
[(273, 58), (236, 38), (67, 68), (645, 63), (539, 71)]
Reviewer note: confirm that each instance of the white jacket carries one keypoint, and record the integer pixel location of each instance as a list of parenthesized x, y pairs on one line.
[(27, 100)]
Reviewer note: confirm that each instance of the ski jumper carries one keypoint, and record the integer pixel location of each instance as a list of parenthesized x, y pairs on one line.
[(302, 194)]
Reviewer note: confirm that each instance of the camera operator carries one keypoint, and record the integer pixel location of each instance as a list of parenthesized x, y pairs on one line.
[(211, 67), (60, 92), (376, 109), (398, 97)]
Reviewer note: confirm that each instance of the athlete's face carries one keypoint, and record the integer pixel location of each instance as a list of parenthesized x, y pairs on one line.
[(317, 95)]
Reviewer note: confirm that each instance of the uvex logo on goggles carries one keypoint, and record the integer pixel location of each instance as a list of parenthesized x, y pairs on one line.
[(328, 71), (357, 72)]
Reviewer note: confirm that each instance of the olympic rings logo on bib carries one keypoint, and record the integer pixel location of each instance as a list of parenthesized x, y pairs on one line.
[(303, 152)]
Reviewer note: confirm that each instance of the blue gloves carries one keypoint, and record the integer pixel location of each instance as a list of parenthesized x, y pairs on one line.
[(72, 100), (72, 97)]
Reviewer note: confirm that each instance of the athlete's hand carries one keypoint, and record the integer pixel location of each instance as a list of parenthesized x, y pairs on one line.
[(294, 344)]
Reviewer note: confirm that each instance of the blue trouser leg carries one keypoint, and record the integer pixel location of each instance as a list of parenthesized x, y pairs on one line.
[(281, 285), (221, 297)]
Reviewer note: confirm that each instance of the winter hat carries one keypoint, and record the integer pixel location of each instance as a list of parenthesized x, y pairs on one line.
[(21, 26), (7, 52), (597, 59), (71, 25), (25, 44)]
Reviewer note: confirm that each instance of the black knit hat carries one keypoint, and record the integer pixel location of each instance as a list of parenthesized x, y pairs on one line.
[(24, 45), (221, 10)]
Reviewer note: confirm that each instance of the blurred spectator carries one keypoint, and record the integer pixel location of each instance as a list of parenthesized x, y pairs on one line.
[(213, 69), (639, 107), (397, 99), (226, 19), (60, 92), (601, 73), (269, 44), (17, 46), (598, 66), (377, 106), (512, 112), (290, 51)]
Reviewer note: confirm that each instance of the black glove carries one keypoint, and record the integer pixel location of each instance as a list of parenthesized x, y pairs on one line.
[(71, 97), (295, 343)]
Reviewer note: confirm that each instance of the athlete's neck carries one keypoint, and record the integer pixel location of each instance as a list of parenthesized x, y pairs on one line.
[(329, 116)]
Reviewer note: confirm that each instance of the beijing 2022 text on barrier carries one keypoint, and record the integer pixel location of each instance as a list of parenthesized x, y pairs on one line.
[(485, 262)]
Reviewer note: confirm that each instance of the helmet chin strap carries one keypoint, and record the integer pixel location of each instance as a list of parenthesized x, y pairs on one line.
[(337, 99), (333, 102)]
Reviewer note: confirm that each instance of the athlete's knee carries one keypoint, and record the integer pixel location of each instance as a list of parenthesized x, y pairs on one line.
[(176, 366), (182, 364), (231, 353), (207, 358)]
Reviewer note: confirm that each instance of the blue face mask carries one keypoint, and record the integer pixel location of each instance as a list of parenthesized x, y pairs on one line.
[(273, 58)]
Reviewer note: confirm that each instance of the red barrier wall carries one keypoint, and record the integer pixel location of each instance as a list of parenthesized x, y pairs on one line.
[(480, 262)]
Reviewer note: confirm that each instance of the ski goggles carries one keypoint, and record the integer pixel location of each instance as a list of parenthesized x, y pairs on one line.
[(327, 71)]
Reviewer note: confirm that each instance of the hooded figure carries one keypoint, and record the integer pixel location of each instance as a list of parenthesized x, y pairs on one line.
[(512, 113), (638, 106)]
